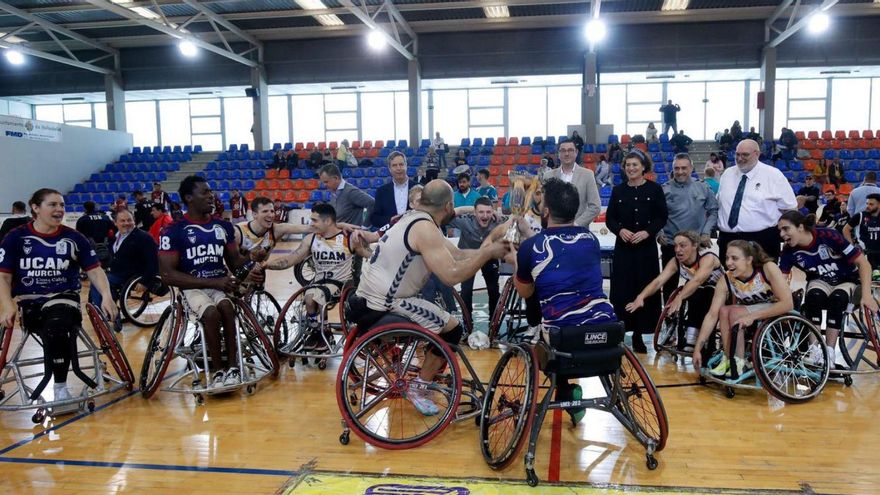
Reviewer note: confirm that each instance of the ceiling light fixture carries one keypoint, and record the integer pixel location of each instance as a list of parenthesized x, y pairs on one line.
[(595, 30), (496, 11), (323, 19), (376, 39), (14, 56), (188, 48), (675, 4), (819, 22)]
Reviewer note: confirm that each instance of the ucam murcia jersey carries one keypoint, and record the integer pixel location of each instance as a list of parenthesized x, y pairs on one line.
[(689, 272), (332, 257), (753, 290), (564, 265), (199, 245), (250, 240), (830, 258), (45, 265)]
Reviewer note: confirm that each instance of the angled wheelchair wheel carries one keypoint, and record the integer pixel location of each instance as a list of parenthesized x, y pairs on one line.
[(266, 309), (160, 350), (866, 328), (292, 325), (5, 340), (668, 325), (304, 272), (641, 402), (374, 378), (790, 359), (110, 346), (509, 406), (462, 314), (509, 316), (256, 344), (142, 303), (344, 324)]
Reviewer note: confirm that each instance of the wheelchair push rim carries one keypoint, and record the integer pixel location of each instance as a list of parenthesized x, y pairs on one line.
[(160, 350), (110, 346), (667, 327), (780, 351), (268, 313), (137, 305), (379, 367), (256, 342), (640, 399)]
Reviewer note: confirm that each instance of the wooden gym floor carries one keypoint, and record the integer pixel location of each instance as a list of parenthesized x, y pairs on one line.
[(284, 439)]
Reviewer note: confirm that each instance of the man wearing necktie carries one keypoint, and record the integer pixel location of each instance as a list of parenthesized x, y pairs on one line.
[(751, 198)]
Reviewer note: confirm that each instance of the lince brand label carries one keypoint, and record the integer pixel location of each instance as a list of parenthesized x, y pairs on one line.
[(595, 338)]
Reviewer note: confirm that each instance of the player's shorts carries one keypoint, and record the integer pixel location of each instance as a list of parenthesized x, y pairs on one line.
[(827, 288), (423, 313), (199, 300), (324, 293)]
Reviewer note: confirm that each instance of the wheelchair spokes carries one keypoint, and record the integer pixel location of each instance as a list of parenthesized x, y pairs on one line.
[(791, 360), (640, 398)]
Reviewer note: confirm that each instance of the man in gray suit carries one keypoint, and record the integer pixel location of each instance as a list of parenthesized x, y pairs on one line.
[(348, 201), (582, 179)]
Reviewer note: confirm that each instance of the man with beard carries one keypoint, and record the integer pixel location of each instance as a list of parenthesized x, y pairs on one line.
[(866, 227)]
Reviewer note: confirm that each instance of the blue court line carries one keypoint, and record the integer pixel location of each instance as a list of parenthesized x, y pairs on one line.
[(65, 423), (154, 467)]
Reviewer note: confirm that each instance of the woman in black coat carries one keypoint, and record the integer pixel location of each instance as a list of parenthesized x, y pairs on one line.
[(636, 213)]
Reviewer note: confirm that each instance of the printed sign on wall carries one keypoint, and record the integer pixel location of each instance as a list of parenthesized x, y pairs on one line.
[(35, 130)]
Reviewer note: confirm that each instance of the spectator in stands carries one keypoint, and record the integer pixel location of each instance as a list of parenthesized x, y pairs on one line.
[(142, 218), (753, 135), (486, 190), (218, 207), (161, 219), (736, 131), (835, 173), (279, 160), (440, 147), (681, 142), (238, 206), (710, 179), (636, 214), (120, 204), (578, 144), (859, 196), (551, 163), (475, 224), (751, 198), (669, 111), (583, 180), (831, 208), (281, 212), (316, 159), (690, 205), (465, 196), (651, 133), (98, 229), (788, 143), (638, 139), (615, 154), (342, 154), (176, 211), (160, 196), (292, 159), (19, 217), (725, 141), (714, 163), (432, 166), (603, 173), (841, 218), (348, 201), (811, 194), (460, 157), (392, 198)]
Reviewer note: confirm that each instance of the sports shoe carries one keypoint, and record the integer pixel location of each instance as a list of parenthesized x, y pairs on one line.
[(217, 379), (577, 414), (419, 398), (532, 334), (814, 355), (875, 275), (691, 336), (722, 368), (62, 392), (638, 344), (323, 341), (233, 377)]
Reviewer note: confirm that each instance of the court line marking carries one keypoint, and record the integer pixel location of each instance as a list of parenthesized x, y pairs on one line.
[(555, 447), (153, 467)]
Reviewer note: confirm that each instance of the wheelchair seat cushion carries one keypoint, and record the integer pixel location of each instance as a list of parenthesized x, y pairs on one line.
[(595, 350), (583, 364), (586, 338)]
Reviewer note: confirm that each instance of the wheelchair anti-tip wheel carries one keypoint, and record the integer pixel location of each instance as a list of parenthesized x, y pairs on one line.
[(142, 302), (790, 359), (160, 350), (509, 406), (375, 377), (110, 346)]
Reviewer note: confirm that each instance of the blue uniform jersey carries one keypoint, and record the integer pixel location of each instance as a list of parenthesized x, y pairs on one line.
[(199, 245), (564, 265), (45, 265), (830, 258)]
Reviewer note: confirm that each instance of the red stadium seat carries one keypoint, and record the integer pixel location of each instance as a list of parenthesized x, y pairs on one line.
[(311, 184), (334, 145), (493, 181), (839, 135), (262, 185), (272, 174), (509, 160), (522, 160), (625, 139), (838, 144), (642, 146), (810, 165), (273, 185), (513, 141), (816, 154), (379, 144), (868, 134), (310, 146), (322, 146), (808, 145), (299, 185), (499, 150), (284, 174), (373, 153), (494, 171), (524, 150), (302, 196), (829, 187), (502, 141), (285, 184), (289, 196), (854, 135), (495, 160), (298, 147), (511, 150), (359, 153), (355, 145), (504, 181), (827, 135), (535, 160), (250, 195), (845, 189), (800, 135), (368, 144), (814, 135)]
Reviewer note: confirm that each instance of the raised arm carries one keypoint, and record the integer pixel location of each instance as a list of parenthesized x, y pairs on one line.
[(427, 240), (668, 272), (283, 262)]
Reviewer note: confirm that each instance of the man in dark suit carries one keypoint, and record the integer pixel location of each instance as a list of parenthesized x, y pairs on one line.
[(392, 198), (134, 254), (19, 217), (348, 201)]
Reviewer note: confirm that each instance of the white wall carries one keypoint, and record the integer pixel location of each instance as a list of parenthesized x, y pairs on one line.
[(27, 165)]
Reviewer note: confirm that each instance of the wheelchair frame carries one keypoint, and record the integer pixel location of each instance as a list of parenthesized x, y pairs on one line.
[(15, 369), (510, 313), (674, 322), (857, 336), (620, 387), (185, 338), (290, 345)]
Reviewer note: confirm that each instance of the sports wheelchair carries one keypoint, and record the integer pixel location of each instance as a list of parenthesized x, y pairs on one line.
[(292, 334), (510, 318), (97, 377), (671, 329), (383, 355), (510, 407), (858, 342), (142, 300), (179, 333)]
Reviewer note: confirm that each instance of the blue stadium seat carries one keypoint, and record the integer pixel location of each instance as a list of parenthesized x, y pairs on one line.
[(667, 148), (390, 144), (874, 154), (860, 154), (243, 147), (605, 192), (796, 166), (471, 160), (259, 174), (247, 185), (612, 138), (196, 149), (347, 173), (781, 165), (233, 148), (477, 142), (656, 157), (247, 174), (409, 152), (846, 155), (417, 161), (829, 154), (80, 188), (136, 150), (871, 165), (664, 138), (383, 172), (411, 171), (550, 140), (669, 157), (465, 142), (490, 142), (235, 184), (662, 178), (425, 143), (854, 165), (212, 175), (402, 143), (851, 176), (377, 183)]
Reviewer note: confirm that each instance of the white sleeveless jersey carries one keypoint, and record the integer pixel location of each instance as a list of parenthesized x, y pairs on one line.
[(250, 240), (754, 290), (395, 271), (332, 257), (687, 273)]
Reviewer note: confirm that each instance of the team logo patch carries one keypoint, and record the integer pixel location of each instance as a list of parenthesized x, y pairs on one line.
[(219, 233), (191, 235), (823, 253), (27, 281), (61, 248), (595, 338), (27, 249)]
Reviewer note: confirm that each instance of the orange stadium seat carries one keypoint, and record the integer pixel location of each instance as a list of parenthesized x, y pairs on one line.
[(838, 144), (493, 181), (310, 146), (829, 187), (845, 189), (808, 145), (272, 184), (826, 134), (373, 153), (513, 141), (854, 135), (535, 160), (509, 160), (511, 150), (502, 141), (298, 147), (302, 155), (867, 134), (524, 150), (813, 135), (311, 184), (495, 160), (322, 145), (284, 174), (368, 144), (262, 185), (250, 195), (642, 146), (379, 144), (333, 145), (839, 134), (272, 174), (799, 135), (499, 150), (355, 145), (851, 144), (359, 153), (504, 181), (625, 139), (302, 196), (299, 184), (289, 196), (522, 160), (816, 154), (810, 165), (494, 171), (863, 144)]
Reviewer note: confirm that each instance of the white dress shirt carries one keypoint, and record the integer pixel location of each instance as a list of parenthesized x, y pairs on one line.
[(401, 196), (566, 177), (766, 195), (119, 240)]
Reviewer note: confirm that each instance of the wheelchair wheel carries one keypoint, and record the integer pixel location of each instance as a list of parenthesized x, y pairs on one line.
[(344, 325), (266, 309), (160, 350), (304, 272), (667, 327), (781, 354), (140, 305), (256, 343), (509, 406), (291, 327), (111, 346), (641, 402), (5, 340), (374, 377), (462, 314), (861, 330), (509, 316)]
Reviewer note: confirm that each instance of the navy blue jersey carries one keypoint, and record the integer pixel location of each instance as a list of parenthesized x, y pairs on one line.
[(867, 231), (45, 265), (199, 245), (564, 265), (830, 258)]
